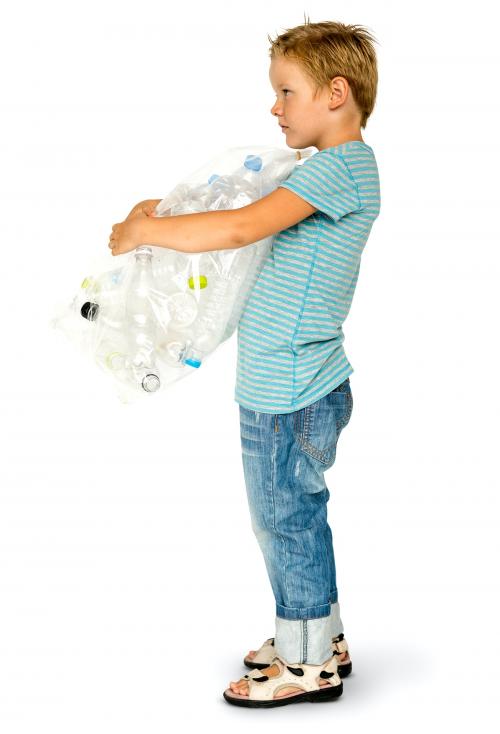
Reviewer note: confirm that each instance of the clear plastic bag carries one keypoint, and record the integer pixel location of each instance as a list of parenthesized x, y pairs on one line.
[(159, 316)]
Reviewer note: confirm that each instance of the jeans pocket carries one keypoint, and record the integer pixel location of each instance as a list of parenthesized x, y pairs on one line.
[(317, 426), (344, 411)]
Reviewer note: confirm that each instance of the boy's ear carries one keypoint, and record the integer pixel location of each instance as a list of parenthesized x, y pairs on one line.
[(277, 211), (339, 90)]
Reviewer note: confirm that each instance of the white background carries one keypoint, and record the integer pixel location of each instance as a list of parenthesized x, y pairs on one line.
[(131, 583)]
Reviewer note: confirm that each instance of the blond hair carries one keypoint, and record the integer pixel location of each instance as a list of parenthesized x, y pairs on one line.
[(329, 49)]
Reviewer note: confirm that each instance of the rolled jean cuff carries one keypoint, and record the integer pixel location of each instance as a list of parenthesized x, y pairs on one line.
[(306, 641), (321, 610)]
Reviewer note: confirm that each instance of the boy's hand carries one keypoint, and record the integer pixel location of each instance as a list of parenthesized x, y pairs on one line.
[(126, 236), (146, 207)]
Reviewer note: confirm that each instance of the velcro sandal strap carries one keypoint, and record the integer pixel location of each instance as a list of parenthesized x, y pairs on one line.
[(265, 652), (332, 667), (340, 646), (256, 675)]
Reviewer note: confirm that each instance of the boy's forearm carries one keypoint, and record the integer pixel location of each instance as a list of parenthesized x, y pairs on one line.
[(200, 232)]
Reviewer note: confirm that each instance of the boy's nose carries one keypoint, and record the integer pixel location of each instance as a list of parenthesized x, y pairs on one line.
[(275, 109)]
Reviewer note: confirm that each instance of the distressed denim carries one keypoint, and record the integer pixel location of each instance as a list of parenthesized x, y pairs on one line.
[(284, 459)]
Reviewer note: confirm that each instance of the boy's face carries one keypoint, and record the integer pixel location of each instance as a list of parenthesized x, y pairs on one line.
[(308, 121)]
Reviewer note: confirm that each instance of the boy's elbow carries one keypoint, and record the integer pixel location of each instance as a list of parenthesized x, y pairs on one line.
[(240, 239), (244, 231), (266, 217)]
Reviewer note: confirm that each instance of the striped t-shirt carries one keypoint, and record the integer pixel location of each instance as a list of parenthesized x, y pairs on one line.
[(290, 336)]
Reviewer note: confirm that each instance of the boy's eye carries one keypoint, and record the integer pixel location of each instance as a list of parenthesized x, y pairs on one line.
[(285, 91)]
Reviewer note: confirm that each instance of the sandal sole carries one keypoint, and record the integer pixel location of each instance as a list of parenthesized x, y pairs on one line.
[(325, 693)]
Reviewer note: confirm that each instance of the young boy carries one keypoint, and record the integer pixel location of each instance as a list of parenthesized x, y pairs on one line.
[(292, 381)]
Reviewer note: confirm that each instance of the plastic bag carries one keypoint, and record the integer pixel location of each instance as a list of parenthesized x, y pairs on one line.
[(159, 316)]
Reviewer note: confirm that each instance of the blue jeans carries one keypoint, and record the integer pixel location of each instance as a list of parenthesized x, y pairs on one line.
[(284, 460)]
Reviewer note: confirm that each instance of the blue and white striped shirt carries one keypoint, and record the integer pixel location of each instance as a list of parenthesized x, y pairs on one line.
[(290, 336)]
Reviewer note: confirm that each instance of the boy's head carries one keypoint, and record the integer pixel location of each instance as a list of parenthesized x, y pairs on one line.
[(325, 77)]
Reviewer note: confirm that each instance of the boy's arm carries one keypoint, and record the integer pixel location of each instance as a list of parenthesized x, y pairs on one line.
[(271, 214), (227, 229)]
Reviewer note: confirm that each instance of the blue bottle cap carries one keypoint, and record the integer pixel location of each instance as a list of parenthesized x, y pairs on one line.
[(192, 362), (253, 162)]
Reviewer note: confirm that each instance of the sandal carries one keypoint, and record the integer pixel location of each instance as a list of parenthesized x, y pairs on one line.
[(262, 688), (264, 655)]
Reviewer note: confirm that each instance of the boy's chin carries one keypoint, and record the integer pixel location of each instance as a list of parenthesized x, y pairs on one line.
[(298, 145)]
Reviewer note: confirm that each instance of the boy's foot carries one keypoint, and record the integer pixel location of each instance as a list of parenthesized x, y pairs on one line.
[(281, 683), (241, 686)]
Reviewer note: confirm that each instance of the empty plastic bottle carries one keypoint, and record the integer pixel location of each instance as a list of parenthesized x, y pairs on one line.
[(214, 313), (104, 298), (141, 321), (111, 355), (238, 189)]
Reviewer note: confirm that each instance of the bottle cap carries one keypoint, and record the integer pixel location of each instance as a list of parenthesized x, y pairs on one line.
[(253, 162), (200, 279), (151, 383), (89, 310)]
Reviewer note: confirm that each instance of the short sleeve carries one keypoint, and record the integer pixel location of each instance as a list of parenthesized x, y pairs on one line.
[(324, 180)]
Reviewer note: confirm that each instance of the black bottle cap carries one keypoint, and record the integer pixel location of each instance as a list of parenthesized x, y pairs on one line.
[(90, 310)]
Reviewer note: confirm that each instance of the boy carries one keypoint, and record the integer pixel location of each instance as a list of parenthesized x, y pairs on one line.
[(292, 382)]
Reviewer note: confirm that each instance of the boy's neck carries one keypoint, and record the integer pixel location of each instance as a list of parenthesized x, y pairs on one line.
[(330, 140)]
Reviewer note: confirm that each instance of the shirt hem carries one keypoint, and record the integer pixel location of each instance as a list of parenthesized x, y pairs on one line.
[(299, 405)]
